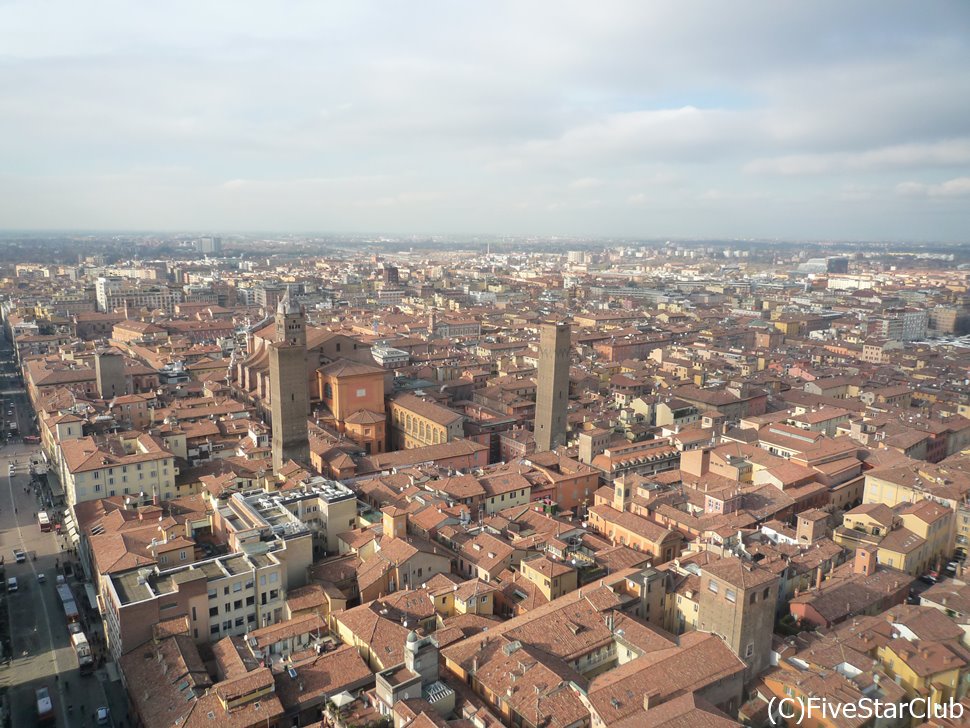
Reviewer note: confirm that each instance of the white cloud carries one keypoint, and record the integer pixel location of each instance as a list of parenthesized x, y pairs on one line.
[(678, 134), (957, 187), (586, 183), (945, 153), (434, 116)]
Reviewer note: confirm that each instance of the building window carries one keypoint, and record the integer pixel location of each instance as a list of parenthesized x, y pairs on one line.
[(749, 650), (731, 595), (712, 586)]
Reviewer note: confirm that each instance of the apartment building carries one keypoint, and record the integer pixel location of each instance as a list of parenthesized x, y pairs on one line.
[(418, 422), (320, 509), (114, 292), (221, 597), (122, 464)]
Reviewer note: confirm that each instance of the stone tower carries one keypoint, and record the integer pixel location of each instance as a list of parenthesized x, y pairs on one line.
[(289, 391), (109, 370), (552, 392)]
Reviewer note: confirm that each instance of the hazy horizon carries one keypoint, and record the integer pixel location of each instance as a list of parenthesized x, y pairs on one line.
[(790, 121)]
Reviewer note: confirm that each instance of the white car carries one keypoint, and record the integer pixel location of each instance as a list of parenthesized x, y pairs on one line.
[(102, 716)]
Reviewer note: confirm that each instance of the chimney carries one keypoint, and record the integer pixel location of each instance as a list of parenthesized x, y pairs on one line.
[(818, 577)]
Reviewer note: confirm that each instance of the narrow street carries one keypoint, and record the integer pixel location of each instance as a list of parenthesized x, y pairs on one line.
[(40, 650), (40, 644)]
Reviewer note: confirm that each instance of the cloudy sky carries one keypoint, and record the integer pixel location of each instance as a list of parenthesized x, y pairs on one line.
[(654, 119)]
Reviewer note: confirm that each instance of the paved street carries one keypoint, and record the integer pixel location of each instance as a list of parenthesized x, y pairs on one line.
[(40, 646)]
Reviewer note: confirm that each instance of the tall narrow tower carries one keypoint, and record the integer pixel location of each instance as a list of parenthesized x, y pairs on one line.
[(552, 392), (289, 391), (109, 370)]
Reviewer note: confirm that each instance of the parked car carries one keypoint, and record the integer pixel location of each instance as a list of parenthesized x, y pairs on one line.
[(102, 715), (20, 555)]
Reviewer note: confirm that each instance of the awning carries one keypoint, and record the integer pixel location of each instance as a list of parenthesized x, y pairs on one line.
[(92, 596), (70, 527), (342, 699)]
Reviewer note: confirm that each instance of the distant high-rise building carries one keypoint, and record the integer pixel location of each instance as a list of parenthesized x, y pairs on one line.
[(268, 295), (552, 392), (950, 319), (390, 274), (210, 245), (289, 391), (900, 324), (837, 265)]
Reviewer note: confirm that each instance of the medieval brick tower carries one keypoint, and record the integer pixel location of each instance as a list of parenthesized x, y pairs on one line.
[(289, 393), (552, 392)]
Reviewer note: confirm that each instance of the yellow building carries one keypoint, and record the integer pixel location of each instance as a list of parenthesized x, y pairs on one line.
[(474, 597), (469, 597), (934, 523), (913, 537), (417, 422), (552, 578), (913, 482), (962, 540), (864, 525), (903, 550), (123, 464), (683, 605), (925, 669)]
